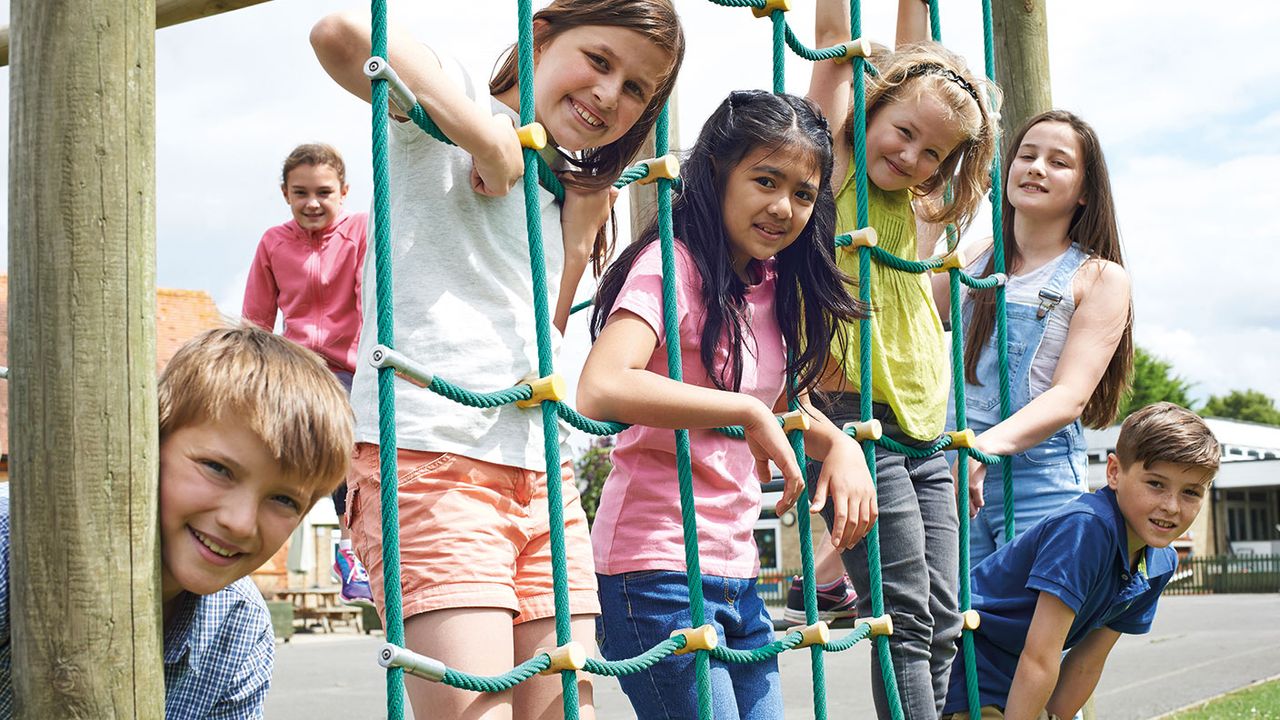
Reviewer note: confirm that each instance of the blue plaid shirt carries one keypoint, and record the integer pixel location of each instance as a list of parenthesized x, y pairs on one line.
[(219, 649)]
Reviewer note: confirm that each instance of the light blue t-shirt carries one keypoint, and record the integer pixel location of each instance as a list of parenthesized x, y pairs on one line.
[(1078, 554)]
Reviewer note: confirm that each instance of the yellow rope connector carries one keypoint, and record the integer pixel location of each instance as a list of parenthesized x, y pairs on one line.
[(551, 387), (818, 633), (854, 48), (954, 260), (869, 430), (961, 439), (695, 639), (971, 619), (666, 167), (794, 420), (882, 625), (863, 237), (570, 656), (532, 136), (770, 6)]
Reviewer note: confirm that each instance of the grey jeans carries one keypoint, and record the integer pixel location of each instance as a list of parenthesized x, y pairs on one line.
[(919, 561)]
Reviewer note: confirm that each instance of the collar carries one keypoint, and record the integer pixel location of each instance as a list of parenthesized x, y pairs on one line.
[(180, 630)]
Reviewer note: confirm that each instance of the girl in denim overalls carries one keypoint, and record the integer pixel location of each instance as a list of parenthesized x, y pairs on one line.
[(1069, 327)]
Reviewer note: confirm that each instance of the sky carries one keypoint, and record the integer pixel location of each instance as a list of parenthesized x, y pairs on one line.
[(1183, 96)]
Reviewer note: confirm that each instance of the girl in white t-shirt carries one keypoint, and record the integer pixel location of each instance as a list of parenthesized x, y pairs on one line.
[(759, 297), (474, 526)]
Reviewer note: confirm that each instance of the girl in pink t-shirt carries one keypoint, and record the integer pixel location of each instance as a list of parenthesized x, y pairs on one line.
[(756, 277)]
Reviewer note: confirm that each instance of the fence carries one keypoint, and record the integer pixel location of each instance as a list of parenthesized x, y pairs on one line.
[(1226, 574)]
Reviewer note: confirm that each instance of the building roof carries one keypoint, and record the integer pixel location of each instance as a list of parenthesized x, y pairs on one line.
[(180, 316), (1240, 440)]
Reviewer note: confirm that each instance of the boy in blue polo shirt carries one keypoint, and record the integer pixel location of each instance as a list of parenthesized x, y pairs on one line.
[(1086, 573), (254, 429)]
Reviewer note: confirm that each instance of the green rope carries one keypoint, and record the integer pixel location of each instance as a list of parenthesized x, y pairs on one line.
[(586, 424), (746, 657), (498, 683), (641, 662), (632, 174), (860, 633), (582, 306), (470, 398)]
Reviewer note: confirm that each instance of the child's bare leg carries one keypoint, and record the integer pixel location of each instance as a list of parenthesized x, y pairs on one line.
[(827, 566), (473, 640), (539, 698)]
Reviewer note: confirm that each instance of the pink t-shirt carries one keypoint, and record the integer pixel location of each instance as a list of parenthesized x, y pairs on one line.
[(637, 525)]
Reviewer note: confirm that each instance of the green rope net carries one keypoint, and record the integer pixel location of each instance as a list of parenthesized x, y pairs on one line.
[(389, 364)]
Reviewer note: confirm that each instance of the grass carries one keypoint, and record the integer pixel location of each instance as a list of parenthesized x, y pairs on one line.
[(1256, 702)]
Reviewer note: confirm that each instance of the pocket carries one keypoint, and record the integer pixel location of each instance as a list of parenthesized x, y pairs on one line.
[(986, 397), (1054, 451), (427, 463)]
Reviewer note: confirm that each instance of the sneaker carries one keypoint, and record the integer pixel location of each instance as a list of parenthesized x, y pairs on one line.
[(837, 600), (355, 579)]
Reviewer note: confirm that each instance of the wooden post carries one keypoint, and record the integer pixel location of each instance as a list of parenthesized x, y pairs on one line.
[(643, 199), (84, 574), (1022, 60)]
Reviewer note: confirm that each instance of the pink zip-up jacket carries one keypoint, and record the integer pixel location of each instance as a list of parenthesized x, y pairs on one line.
[(315, 282)]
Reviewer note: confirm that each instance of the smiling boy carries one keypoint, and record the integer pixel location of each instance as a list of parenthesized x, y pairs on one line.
[(254, 429), (1087, 573)]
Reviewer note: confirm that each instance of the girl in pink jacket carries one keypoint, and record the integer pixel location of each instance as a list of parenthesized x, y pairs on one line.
[(309, 269)]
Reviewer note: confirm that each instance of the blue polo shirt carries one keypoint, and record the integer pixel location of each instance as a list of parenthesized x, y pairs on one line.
[(1078, 554)]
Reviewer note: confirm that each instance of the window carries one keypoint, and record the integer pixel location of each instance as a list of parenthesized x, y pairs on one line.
[(770, 552)]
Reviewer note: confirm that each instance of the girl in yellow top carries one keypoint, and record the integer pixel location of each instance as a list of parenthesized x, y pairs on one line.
[(929, 121)]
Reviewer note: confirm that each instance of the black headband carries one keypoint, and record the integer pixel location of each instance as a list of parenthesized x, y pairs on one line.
[(935, 69)]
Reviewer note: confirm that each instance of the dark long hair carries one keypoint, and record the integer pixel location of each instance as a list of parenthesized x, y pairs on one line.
[(811, 304), (1094, 228)]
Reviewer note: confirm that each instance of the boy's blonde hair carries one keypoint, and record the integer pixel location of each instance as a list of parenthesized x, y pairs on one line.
[(283, 392), (917, 69), (1164, 432)]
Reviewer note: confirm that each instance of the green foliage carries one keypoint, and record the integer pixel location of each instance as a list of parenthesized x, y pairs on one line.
[(1258, 702), (591, 471), (1249, 405), (1153, 381)]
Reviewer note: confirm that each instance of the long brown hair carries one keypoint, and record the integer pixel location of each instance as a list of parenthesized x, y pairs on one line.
[(1095, 230), (949, 81), (656, 20)]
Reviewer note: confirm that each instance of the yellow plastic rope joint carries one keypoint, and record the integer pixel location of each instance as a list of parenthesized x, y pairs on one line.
[(818, 633), (954, 260), (854, 49), (794, 420), (770, 6), (570, 656), (666, 167), (532, 136), (971, 619), (551, 387), (869, 430), (962, 439), (695, 639), (863, 237), (882, 625)]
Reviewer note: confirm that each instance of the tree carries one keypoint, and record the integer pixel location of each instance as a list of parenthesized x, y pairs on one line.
[(1153, 381), (592, 469), (1248, 405)]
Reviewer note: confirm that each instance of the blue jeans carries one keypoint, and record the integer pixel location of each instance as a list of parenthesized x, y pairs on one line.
[(641, 609)]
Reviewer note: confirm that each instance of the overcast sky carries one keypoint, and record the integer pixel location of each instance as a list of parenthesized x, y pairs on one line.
[(1184, 95)]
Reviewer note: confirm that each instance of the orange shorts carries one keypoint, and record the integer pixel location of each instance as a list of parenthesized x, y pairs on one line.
[(472, 534)]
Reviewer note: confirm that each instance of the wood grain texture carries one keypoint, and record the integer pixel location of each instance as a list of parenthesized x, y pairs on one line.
[(1022, 60), (168, 12), (85, 571)]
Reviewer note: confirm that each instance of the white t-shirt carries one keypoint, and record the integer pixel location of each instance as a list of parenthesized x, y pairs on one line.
[(463, 299)]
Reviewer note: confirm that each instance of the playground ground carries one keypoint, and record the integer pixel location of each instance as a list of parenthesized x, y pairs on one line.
[(1200, 647)]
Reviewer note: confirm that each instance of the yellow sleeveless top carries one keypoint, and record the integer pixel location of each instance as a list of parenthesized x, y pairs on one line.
[(908, 358)]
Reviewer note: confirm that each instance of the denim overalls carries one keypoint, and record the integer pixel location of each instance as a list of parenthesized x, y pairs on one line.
[(1049, 474)]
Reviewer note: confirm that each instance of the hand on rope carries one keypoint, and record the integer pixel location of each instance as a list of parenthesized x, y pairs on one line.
[(493, 174), (768, 442), (977, 475)]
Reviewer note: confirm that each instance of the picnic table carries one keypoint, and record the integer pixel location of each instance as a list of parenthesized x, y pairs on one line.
[(320, 604)]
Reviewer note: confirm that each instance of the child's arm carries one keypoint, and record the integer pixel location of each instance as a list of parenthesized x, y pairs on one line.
[(1080, 672), (913, 21), (583, 215), (844, 478), (260, 291), (1038, 666), (1092, 337), (615, 385), (341, 42), (830, 83)]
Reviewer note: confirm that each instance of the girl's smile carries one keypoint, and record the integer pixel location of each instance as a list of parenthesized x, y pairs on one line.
[(1046, 176), (315, 194), (907, 140)]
